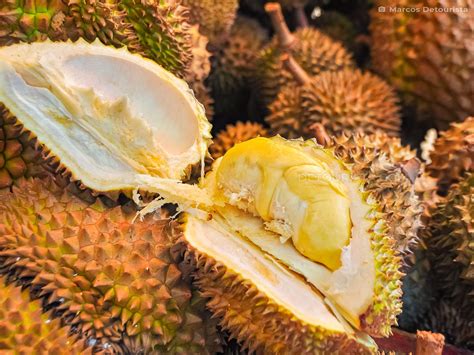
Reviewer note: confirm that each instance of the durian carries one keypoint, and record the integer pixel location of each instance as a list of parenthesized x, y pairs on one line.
[(25, 329), (214, 17), (346, 99), (233, 134), (234, 65), (302, 250), (452, 154), (271, 74), (18, 155), (427, 55), (109, 276), (140, 129), (155, 29)]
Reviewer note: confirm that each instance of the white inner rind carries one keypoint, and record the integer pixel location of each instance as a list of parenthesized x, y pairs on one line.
[(109, 116), (243, 258)]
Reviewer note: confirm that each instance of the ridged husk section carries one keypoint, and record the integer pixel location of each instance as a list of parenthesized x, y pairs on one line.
[(25, 329), (155, 29), (214, 17), (258, 323), (233, 134), (234, 63), (427, 55), (449, 237), (347, 99), (271, 75), (105, 274), (452, 154), (19, 155), (398, 213)]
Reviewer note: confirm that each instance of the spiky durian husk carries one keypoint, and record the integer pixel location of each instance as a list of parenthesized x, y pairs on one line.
[(214, 17), (234, 63), (105, 274), (347, 99), (427, 55), (338, 27), (233, 134), (25, 329), (452, 154), (19, 155), (271, 75), (154, 29), (258, 323)]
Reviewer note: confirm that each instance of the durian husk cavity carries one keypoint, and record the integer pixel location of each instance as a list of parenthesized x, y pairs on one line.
[(112, 120), (288, 220)]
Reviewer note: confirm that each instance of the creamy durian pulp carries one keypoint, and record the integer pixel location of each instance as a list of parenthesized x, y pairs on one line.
[(299, 205)]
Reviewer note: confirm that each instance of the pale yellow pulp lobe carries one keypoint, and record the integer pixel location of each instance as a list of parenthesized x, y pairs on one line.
[(262, 166)]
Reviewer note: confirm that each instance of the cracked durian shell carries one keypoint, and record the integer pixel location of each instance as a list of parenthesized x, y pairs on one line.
[(155, 29), (271, 75), (112, 120), (110, 277), (345, 99), (25, 329), (427, 56), (452, 154)]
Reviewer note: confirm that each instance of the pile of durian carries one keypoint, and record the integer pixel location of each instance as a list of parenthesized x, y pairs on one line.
[(209, 176)]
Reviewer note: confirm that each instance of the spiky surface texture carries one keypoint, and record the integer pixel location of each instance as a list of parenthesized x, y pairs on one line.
[(347, 99), (25, 329), (106, 275), (452, 154), (214, 17), (234, 63), (19, 155), (338, 27), (271, 74), (233, 134), (450, 250), (400, 210), (258, 323), (428, 56), (154, 29)]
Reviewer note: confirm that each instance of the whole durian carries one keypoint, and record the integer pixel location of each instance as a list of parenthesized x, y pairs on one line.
[(155, 29), (427, 54), (265, 248), (271, 74), (346, 99), (214, 17), (25, 329), (233, 134), (113, 279), (234, 65)]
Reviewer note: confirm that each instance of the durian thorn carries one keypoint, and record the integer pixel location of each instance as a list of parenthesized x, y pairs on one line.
[(429, 343), (285, 37), (295, 69), (322, 137), (411, 169), (300, 16)]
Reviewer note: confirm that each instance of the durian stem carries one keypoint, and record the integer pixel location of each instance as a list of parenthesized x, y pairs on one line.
[(320, 134), (428, 343), (300, 15), (411, 169), (285, 37), (295, 69)]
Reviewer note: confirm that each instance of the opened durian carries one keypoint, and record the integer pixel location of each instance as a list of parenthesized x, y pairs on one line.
[(114, 279), (155, 29), (271, 74), (427, 54), (25, 329), (344, 100), (214, 17), (112, 120), (303, 249)]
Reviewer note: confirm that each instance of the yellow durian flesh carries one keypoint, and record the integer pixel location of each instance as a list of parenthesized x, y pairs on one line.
[(286, 184), (114, 120)]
